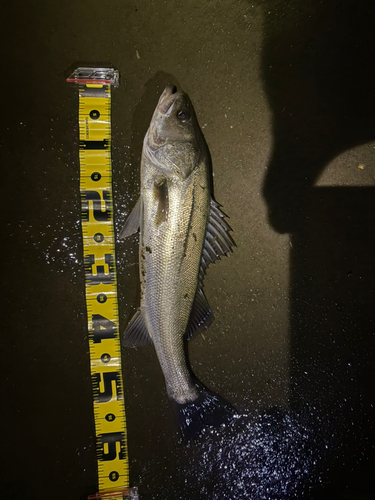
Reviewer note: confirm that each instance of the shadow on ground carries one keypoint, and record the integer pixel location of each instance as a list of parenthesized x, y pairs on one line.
[(319, 78)]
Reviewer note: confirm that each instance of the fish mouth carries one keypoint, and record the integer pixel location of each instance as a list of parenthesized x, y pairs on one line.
[(167, 99)]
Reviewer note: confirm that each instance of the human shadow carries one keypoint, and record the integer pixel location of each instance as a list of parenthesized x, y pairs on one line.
[(318, 72)]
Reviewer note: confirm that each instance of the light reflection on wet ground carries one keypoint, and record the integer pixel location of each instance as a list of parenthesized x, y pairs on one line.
[(257, 456)]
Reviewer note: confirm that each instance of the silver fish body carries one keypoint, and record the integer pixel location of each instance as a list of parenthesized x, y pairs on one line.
[(182, 230)]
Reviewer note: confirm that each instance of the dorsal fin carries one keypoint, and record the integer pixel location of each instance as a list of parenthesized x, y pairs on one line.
[(218, 240)]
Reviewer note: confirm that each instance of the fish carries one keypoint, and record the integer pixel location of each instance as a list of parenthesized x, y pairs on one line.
[(182, 229)]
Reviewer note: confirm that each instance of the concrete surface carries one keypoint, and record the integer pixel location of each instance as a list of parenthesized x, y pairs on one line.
[(283, 91)]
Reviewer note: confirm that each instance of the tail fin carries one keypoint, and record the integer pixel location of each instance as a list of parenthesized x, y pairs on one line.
[(208, 410)]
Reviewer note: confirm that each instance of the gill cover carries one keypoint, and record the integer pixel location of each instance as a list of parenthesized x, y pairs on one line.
[(174, 141)]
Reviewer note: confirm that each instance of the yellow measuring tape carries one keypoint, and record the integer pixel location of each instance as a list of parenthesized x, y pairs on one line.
[(101, 282)]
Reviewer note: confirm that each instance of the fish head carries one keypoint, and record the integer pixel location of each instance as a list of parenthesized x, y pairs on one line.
[(174, 142)]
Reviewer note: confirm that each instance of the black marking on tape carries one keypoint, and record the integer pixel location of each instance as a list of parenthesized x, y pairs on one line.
[(98, 274), (107, 378), (105, 358), (113, 476), (85, 91), (102, 329), (94, 114), (96, 176), (104, 144), (97, 212), (98, 237), (101, 298), (111, 439)]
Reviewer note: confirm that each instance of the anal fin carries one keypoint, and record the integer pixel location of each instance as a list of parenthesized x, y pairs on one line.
[(136, 334), (201, 316)]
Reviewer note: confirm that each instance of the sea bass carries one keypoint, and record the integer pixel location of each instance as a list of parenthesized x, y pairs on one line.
[(182, 230)]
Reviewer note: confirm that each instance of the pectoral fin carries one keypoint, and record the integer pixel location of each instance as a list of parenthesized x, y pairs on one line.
[(161, 197), (133, 221), (136, 334)]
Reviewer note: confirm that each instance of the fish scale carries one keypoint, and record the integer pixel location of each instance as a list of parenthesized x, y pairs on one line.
[(170, 268), (182, 230)]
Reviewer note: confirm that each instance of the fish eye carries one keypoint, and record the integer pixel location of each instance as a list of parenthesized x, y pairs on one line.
[(183, 115)]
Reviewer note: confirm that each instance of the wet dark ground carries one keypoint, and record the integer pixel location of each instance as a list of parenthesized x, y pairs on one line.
[(284, 92)]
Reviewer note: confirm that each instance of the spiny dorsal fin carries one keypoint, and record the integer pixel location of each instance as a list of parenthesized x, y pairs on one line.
[(201, 316), (218, 240), (136, 334), (133, 221)]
